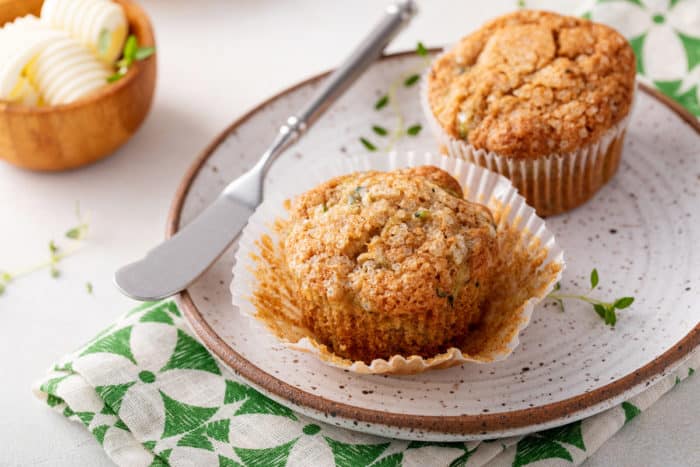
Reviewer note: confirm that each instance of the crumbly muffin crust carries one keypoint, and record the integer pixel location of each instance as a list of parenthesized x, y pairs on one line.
[(390, 263), (533, 83)]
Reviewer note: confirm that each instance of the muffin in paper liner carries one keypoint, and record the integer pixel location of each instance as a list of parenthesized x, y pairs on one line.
[(552, 183), (532, 263)]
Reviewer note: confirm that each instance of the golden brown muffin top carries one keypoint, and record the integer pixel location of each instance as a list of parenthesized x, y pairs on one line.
[(401, 241), (533, 83)]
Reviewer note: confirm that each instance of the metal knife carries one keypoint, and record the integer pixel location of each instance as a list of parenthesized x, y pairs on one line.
[(177, 262)]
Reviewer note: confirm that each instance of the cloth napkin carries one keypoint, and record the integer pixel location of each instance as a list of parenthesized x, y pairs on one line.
[(151, 394)]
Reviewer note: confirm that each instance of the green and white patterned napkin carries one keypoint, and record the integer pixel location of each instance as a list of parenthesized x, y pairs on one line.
[(151, 394)]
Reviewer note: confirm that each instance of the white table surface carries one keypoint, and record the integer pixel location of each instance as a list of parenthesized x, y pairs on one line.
[(216, 59)]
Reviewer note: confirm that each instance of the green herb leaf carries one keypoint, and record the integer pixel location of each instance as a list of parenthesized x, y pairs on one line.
[(411, 80), (414, 130), (381, 131), (421, 214), (130, 47), (325, 208), (53, 248), (557, 286), (5, 276), (79, 231), (104, 41), (421, 50), (600, 309), (55, 272), (367, 144), (610, 316), (115, 77), (594, 278), (624, 302), (2, 288), (88, 287), (143, 53), (381, 102), (131, 52)]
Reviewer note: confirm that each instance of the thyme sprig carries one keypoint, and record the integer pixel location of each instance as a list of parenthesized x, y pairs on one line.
[(56, 254), (389, 99), (606, 310), (132, 52)]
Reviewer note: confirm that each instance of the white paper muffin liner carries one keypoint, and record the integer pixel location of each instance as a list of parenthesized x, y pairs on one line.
[(551, 183), (480, 185)]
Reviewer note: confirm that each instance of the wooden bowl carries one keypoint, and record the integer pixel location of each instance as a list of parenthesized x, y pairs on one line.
[(11, 9), (72, 135)]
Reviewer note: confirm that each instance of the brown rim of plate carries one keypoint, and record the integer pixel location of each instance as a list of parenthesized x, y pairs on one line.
[(460, 424)]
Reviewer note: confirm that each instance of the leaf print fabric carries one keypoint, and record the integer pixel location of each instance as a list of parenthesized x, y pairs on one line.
[(152, 395), (549, 444)]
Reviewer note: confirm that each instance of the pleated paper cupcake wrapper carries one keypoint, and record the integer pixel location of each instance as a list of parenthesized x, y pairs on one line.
[(552, 183), (479, 184)]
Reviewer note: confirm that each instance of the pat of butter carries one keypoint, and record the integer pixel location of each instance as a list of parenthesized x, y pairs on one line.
[(21, 42), (99, 25), (66, 71)]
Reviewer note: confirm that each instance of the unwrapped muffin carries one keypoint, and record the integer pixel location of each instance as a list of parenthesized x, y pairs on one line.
[(541, 98), (387, 263)]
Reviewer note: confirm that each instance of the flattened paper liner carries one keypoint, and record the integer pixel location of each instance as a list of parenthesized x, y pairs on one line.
[(552, 183), (261, 291)]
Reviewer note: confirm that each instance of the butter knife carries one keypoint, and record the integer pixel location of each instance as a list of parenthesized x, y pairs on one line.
[(177, 262)]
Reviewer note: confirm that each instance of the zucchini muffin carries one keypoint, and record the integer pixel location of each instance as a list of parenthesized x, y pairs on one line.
[(541, 98), (387, 263)]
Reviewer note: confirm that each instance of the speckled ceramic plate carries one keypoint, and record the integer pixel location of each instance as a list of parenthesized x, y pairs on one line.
[(641, 232)]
